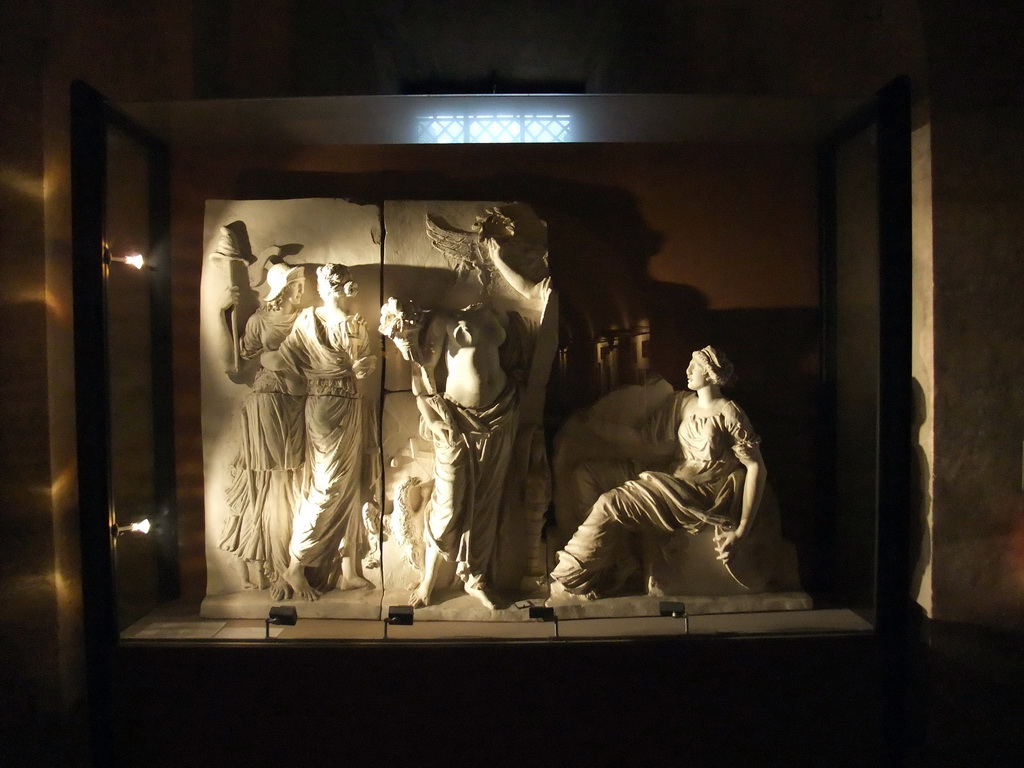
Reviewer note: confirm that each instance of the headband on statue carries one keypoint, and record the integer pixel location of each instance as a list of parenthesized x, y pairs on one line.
[(716, 365)]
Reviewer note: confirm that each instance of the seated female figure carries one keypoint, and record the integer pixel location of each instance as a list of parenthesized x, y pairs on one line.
[(717, 478)]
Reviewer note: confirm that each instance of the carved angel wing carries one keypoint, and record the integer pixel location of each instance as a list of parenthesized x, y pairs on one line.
[(460, 249)]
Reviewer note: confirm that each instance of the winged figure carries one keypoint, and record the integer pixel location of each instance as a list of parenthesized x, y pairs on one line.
[(461, 249)]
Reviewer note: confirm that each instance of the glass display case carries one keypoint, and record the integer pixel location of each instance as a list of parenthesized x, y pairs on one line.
[(776, 230)]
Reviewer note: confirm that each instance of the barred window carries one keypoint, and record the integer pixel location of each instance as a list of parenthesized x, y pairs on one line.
[(492, 129)]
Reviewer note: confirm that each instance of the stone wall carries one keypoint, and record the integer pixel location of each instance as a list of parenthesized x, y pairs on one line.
[(977, 110), (31, 677)]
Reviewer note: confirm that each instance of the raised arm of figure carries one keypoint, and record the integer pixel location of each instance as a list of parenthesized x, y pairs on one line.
[(230, 325), (419, 337), (426, 355), (526, 288)]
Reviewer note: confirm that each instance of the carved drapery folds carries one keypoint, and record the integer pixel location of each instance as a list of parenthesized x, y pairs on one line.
[(325, 482)]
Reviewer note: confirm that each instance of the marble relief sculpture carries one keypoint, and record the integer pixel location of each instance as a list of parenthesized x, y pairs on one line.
[(290, 404), (470, 376), (406, 521), (329, 347), (267, 469), (471, 418), (655, 491), (701, 470)]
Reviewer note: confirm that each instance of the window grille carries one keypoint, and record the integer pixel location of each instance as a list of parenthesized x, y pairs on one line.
[(492, 129)]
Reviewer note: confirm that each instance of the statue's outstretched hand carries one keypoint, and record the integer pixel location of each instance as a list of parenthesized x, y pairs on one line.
[(725, 541), (404, 346)]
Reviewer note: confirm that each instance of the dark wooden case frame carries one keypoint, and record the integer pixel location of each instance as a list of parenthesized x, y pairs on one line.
[(92, 116)]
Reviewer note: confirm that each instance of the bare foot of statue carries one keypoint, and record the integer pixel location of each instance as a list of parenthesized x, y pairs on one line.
[(421, 597), (654, 589), (481, 594), (281, 590), (296, 578), (560, 593), (259, 578), (242, 569), (354, 582)]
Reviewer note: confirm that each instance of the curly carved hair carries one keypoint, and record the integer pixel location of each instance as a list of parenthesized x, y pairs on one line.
[(716, 366), (334, 275)]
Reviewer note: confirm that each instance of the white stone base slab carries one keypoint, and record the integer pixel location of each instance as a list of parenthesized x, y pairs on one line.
[(768, 623), (181, 621), (777, 622), (571, 607), (192, 629), (475, 630), (456, 605), (255, 604)]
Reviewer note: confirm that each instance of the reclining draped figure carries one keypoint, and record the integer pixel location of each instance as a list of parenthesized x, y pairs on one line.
[(710, 476)]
